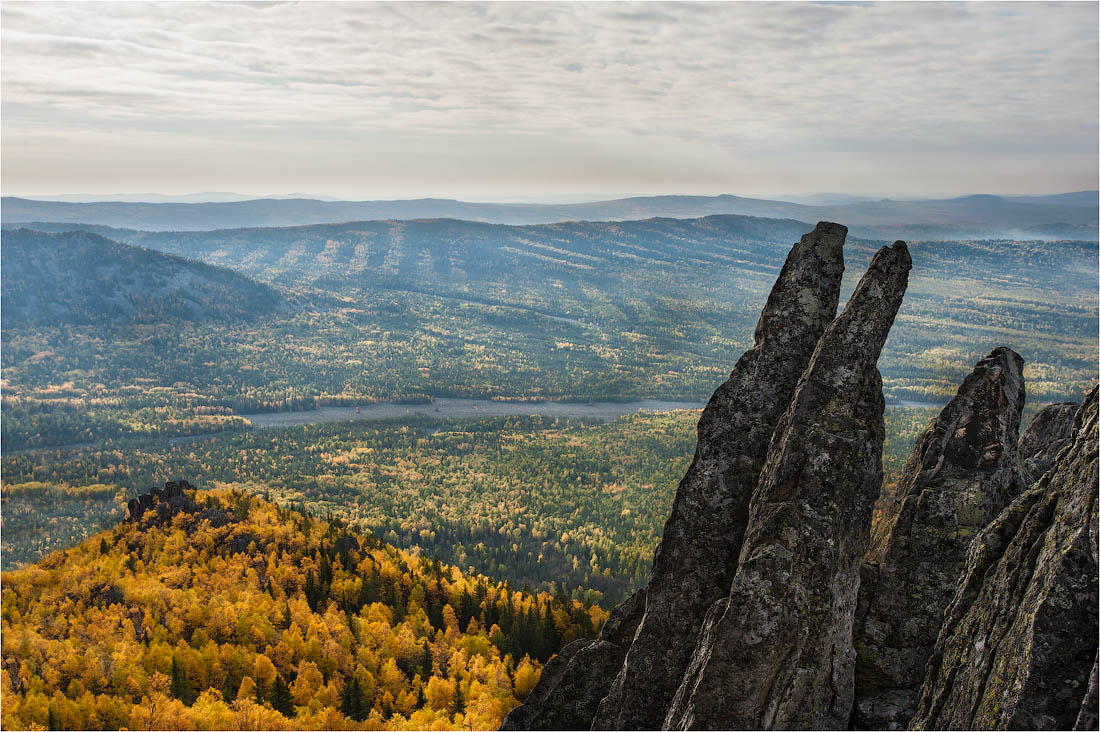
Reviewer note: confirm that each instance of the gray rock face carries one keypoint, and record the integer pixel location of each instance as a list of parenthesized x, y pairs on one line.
[(962, 473), (1088, 718), (1018, 642), (777, 651), (693, 566), (573, 682), (1049, 431)]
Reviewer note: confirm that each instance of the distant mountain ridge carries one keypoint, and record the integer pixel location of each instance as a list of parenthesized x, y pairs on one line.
[(81, 277), (979, 216)]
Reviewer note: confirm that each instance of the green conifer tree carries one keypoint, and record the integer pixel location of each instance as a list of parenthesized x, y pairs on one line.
[(281, 701)]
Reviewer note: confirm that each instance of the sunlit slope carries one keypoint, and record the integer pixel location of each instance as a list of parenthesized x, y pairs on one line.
[(236, 614), (393, 311)]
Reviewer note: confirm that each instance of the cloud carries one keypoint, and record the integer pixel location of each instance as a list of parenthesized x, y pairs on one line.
[(735, 81)]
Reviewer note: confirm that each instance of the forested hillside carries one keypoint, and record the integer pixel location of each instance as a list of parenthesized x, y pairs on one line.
[(395, 311), (223, 611), (80, 278)]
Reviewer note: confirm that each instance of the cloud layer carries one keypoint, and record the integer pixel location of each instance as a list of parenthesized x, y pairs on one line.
[(537, 98)]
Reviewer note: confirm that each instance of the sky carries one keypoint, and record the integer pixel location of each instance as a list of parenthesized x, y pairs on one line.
[(548, 101)]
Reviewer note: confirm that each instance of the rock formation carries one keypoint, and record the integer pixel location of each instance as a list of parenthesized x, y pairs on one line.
[(962, 473), (1017, 649), (694, 564), (1049, 431), (975, 606), (167, 501), (777, 651), (574, 681)]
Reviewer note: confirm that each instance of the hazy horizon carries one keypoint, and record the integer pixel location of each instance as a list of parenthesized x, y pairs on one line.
[(233, 196), (550, 101)]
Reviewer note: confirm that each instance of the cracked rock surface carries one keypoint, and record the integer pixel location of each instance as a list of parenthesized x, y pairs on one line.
[(777, 651), (694, 563), (1017, 649), (693, 566), (1050, 430), (962, 473)]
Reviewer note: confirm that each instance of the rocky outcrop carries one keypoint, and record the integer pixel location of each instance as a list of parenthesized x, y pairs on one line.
[(777, 651), (1049, 431), (694, 564), (962, 473), (1017, 649), (771, 605), (167, 502), (573, 682)]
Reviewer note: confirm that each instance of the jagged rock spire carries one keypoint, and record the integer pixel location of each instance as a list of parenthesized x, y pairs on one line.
[(694, 564), (1018, 643), (962, 473), (1050, 430), (777, 652)]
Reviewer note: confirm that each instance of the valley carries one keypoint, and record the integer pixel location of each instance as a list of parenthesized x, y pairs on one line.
[(549, 365), (547, 502)]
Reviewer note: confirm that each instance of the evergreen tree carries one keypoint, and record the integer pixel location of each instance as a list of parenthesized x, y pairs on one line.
[(551, 640), (425, 659), (458, 704), (397, 602), (232, 683), (467, 610), (311, 591), (181, 686), (352, 701), (281, 700), (326, 573)]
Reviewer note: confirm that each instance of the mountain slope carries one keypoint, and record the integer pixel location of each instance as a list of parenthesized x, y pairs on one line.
[(220, 611), (80, 277), (965, 217)]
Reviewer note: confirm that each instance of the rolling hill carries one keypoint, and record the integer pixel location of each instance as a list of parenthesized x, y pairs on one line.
[(404, 310), (81, 277), (1072, 215), (217, 610)]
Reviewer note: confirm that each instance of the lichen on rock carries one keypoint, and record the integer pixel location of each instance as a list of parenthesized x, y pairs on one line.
[(694, 563), (693, 566), (1017, 647), (1050, 430), (962, 473), (777, 651)]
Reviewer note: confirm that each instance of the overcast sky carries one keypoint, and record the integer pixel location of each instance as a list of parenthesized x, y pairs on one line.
[(535, 100)]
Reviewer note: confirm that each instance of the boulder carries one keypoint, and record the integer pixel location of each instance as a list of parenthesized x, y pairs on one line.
[(1049, 431), (574, 681)]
